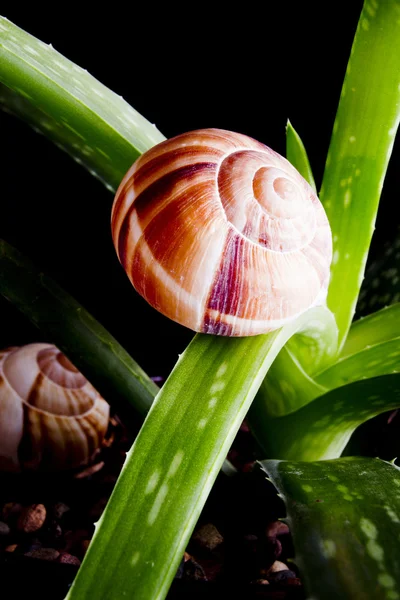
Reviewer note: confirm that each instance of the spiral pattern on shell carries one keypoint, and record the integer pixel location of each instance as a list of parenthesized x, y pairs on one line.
[(51, 417), (222, 234)]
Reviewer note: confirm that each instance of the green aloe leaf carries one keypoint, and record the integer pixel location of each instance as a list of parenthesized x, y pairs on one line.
[(372, 349), (173, 464), (361, 145), (316, 348), (63, 101), (313, 352), (297, 155), (381, 326), (344, 518), (321, 429), (381, 359), (288, 385), (286, 388), (70, 327)]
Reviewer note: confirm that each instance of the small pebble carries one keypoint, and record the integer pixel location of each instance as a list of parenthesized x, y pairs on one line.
[(276, 528), (11, 547), (282, 576), (207, 537), (4, 529), (31, 518), (60, 509), (69, 559), (44, 553), (277, 566), (193, 571)]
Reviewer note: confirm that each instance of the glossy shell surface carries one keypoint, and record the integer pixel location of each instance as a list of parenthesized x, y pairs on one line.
[(222, 234)]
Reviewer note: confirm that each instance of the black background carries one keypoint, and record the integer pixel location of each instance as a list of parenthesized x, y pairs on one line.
[(247, 69)]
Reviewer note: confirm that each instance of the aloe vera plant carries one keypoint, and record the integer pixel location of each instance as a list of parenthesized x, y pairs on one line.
[(313, 382)]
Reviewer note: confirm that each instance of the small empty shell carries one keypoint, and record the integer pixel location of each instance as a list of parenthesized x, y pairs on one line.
[(51, 417)]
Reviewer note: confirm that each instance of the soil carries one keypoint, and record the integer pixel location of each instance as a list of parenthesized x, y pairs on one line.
[(239, 547)]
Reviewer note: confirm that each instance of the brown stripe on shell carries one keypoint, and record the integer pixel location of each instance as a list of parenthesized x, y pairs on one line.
[(177, 158), (213, 323), (47, 396), (54, 442), (253, 285), (169, 233), (11, 425), (29, 449), (59, 369), (33, 397), (94, 427), (151, 197), (212, 142), (224, 295), (147, 171), (179, 288)]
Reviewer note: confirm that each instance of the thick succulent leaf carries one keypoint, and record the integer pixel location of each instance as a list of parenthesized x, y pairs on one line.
[(321, 429), (381, 359), (286, 388), (297, 154), (70, 327), (381, 286), (172, 466), (92, 123), (361, 145), (288, 385), (316, 346), (344, 516), (372, 349), (379, 327)]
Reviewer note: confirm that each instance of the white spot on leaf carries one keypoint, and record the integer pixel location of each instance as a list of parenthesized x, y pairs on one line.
[(152, 483), (158, 502)]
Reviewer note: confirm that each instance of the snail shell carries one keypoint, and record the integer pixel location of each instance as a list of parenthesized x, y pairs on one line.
[(51, 417), (222, 234)]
